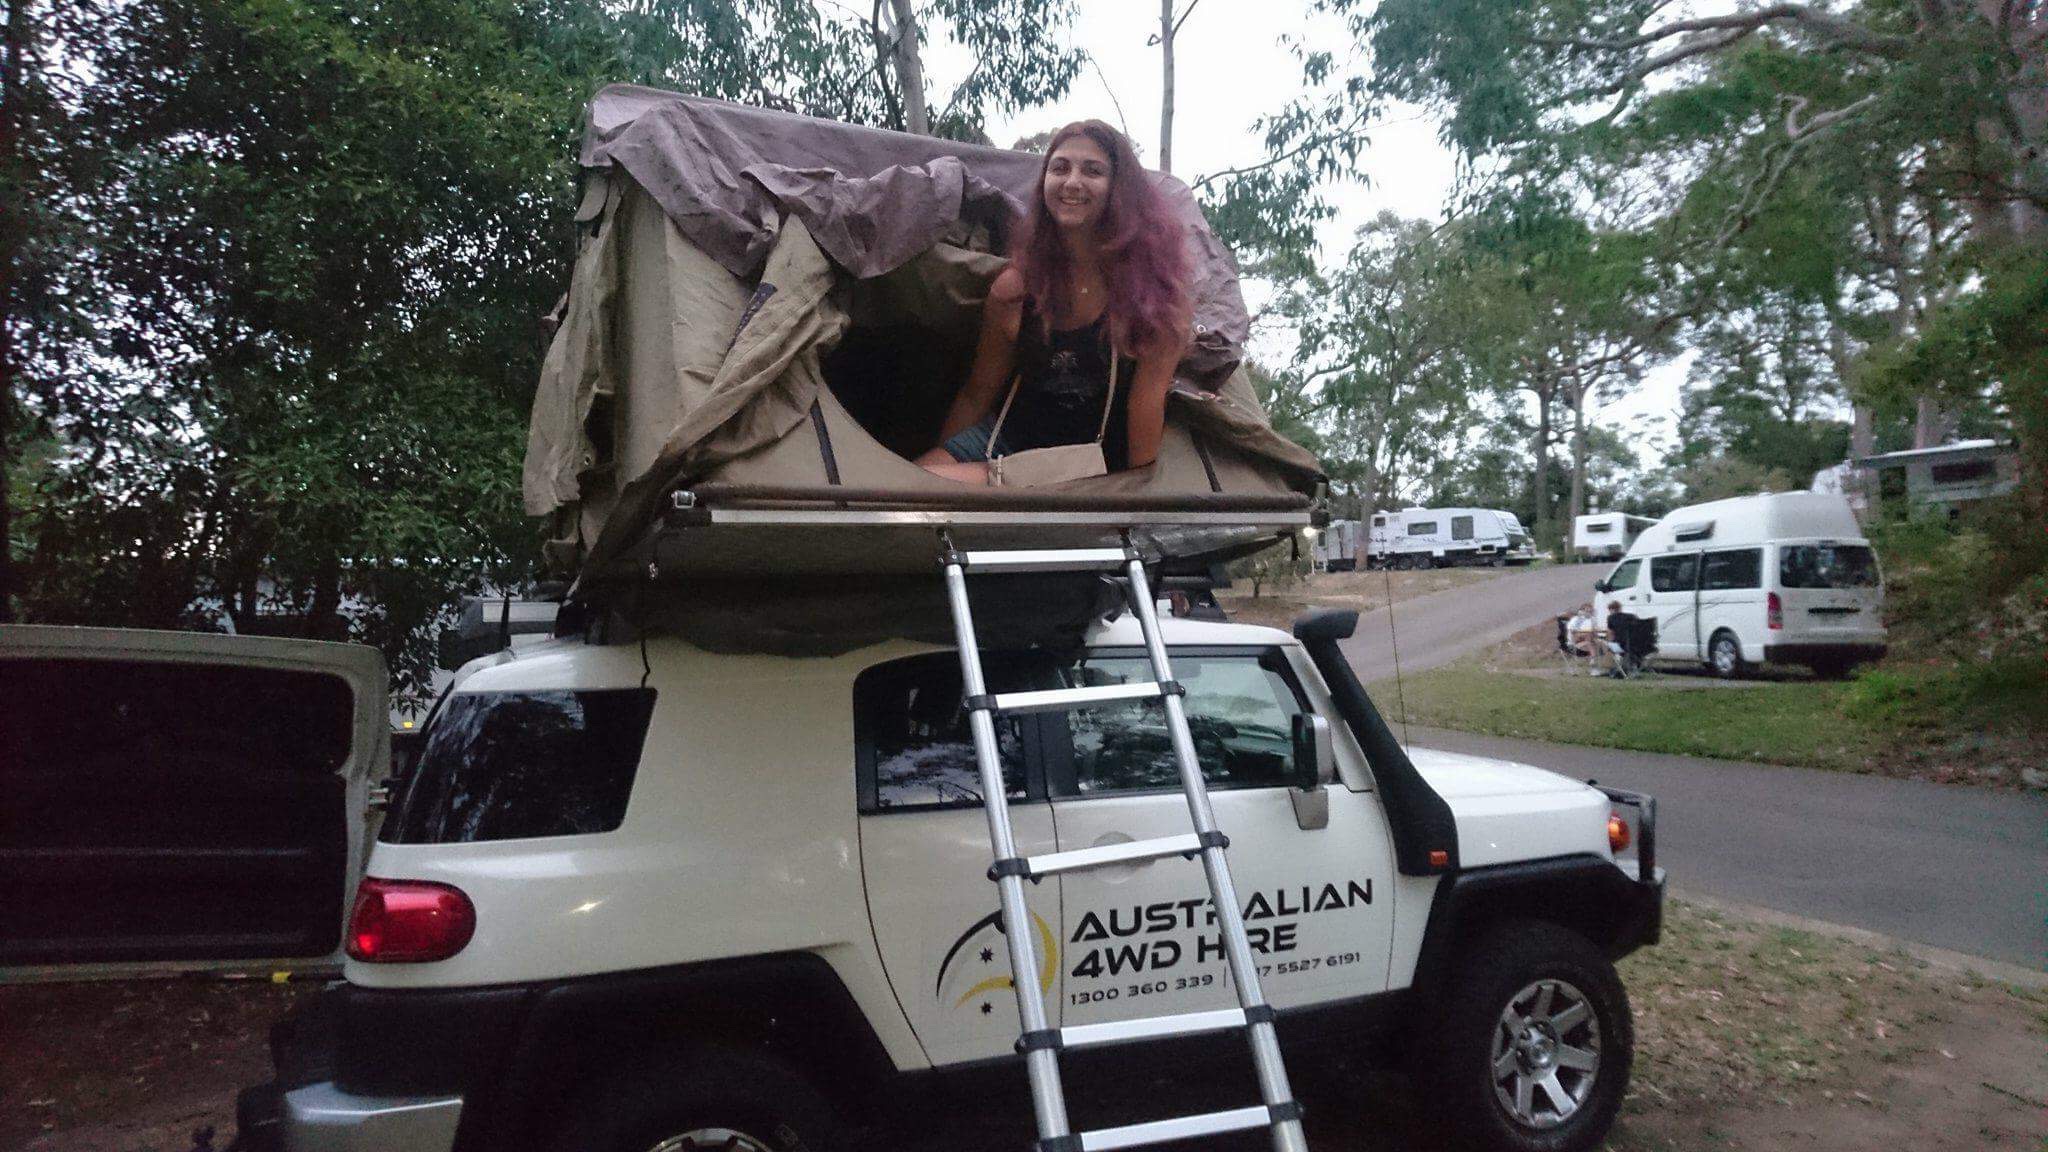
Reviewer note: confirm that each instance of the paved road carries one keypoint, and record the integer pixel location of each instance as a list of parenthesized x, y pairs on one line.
[(1442, 626), (1955, 867)]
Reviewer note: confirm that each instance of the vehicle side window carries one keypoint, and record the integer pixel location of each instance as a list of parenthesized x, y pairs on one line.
[(914, 747), (514, 765), (1422, 528), (1674, 573), (1624, 576), (1725, 571), (1379, 521), (1240, 709), (1461, 527)]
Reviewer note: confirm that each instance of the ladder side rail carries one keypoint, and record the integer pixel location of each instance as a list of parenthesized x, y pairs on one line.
[(1048, 1099), (1264, 1042)]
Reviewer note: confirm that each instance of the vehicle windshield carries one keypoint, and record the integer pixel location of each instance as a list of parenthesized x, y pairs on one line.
[(1827, 566)]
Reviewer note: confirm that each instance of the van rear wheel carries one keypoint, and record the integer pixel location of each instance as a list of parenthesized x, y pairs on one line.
[(1724, 656)]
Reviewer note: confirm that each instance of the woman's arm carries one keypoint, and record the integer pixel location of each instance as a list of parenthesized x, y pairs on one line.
[(1146, 417), (1002, 315)]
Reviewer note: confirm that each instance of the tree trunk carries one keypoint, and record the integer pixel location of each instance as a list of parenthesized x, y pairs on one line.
[(13, 177), (1540, 486), (323, 618), (1577, 507), (1166, 86), (910, 68)]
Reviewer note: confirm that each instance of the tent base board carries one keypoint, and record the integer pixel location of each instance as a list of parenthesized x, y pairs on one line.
[(765, 543)]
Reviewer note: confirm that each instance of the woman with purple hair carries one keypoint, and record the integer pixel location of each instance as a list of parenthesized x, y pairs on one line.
[(1081, 333)]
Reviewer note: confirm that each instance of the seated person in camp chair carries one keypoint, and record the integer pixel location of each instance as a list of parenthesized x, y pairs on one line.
[(1577, 637), (1628, 641), (1080, 335)]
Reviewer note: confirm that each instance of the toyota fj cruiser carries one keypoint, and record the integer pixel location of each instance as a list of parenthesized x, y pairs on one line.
[(640, 896)]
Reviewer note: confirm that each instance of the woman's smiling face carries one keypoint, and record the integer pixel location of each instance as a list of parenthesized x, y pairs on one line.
[(1077, 183)]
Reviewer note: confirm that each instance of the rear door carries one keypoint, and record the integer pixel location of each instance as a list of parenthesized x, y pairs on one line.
[(924, 848), (1139, 940), (1832, 593), (182, 801)]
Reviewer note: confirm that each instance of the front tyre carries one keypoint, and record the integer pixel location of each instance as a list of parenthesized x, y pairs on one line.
[(1724, 656), (727, 1100), (1531, 1043)]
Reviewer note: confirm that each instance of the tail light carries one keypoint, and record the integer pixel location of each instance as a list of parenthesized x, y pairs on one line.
[(408, 921), (1774, 612)]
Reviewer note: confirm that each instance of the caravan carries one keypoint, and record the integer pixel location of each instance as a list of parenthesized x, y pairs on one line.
[(1785, 578), (1606, 535), (1446, 538), (1338, 546)]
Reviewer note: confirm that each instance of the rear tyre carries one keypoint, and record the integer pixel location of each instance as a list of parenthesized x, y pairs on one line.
[(722, 1099), (1530, 1043), (1724, 656)]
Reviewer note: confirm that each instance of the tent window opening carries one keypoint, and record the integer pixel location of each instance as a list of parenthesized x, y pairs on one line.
[(897, 378)]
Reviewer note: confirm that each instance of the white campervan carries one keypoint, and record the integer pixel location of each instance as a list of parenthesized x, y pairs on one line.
[(1785, 578), (1606, 535), (1446, 537)]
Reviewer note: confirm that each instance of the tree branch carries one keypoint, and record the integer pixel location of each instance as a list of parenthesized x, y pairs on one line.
[(1847, 33)]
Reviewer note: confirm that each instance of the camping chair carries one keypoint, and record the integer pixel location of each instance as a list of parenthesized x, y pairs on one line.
[(1638, 642), (1570, 653)]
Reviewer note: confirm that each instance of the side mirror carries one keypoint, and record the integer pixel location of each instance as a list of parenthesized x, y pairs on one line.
[(1602, 586), (1315, 764), (1315, 757)]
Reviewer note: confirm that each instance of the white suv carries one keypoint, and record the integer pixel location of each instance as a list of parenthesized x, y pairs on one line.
[(642, 896)]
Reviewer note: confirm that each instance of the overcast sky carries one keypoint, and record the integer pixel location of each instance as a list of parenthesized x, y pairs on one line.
[(1232, 67)]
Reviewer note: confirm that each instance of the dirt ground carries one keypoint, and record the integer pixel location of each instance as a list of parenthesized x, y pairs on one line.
[(1748, 1036), (1362, 591)]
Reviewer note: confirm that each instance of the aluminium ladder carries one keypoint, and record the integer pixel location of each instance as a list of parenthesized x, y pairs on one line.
[(1040, 1045)]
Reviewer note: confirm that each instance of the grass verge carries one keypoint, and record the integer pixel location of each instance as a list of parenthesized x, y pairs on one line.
[(1790, 722)]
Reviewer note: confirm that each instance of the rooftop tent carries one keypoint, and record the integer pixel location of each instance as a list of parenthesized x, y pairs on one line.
[(768, 313)]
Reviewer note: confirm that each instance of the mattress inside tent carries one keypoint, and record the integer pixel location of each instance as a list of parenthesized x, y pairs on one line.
[(766, 319)]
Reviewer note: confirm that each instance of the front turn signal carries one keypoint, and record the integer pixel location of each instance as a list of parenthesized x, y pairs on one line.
[(1618, 835)]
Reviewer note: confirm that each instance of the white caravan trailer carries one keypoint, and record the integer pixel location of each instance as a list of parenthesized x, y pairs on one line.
[(1785, 578), (1606, 535), (1338, 546), (1446, 537)]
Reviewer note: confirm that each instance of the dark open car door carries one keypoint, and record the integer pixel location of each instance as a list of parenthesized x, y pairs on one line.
[(181, 801)]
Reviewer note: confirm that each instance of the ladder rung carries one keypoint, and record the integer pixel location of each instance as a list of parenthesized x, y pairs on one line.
[(1150, 1028), (1180, 1128), (1056, 699), (1045, 560), (1130, 852)]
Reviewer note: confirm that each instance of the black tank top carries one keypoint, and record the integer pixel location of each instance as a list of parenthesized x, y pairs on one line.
[(1062, 379)]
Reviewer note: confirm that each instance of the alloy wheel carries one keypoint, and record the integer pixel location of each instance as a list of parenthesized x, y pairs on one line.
[(1546, 1054)]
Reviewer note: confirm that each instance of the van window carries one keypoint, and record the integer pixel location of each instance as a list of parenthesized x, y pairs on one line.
[(1422, 528), (1461, 527), (1674, 573), (1826, 566), (912, 741), (517, 765), (1624, 576), (1240, 709), (1725, 571)]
